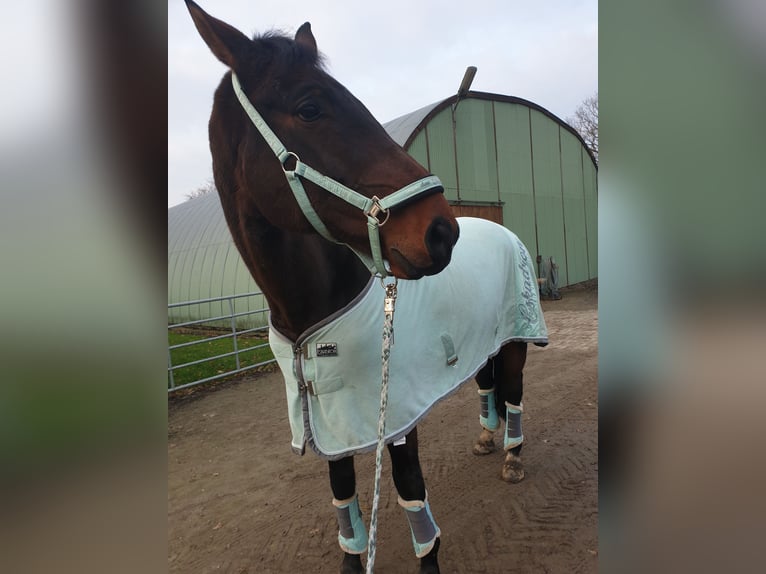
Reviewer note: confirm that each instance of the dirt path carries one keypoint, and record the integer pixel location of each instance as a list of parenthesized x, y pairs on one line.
[(239, 501)]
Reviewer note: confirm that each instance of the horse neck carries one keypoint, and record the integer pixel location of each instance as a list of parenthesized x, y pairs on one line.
[(304, 278)]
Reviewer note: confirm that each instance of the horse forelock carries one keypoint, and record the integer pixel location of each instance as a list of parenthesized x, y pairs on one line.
[(282, 50)]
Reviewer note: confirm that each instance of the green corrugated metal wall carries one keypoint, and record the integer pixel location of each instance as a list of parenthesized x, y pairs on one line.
[(441, 152), (487, 151), (574, 208), (590, 183), (476, 156)]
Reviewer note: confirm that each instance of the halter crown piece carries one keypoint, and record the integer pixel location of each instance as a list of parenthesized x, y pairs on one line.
[(371, 207)]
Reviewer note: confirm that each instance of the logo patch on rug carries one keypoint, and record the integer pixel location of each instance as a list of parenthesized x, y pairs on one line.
[(327, 349)]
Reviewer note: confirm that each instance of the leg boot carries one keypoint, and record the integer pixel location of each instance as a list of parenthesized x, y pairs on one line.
[(352, 533), (424, 530)]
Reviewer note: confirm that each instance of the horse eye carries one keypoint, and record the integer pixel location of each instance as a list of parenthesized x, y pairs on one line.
[(309, 112)]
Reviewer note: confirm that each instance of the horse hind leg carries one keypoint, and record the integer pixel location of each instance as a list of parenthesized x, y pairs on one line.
[(352, 534), (488, 417), (513, 469), (408, 479), (513, 357)]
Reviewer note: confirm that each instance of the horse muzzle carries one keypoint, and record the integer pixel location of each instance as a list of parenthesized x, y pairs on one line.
[(413, 262), (441, 237)]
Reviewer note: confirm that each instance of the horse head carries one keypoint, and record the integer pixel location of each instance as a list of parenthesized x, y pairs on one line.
[(321, 125)]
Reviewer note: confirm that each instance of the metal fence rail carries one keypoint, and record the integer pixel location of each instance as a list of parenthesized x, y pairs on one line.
[(233, 334)]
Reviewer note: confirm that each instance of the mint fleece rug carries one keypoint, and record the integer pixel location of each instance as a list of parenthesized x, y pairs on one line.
[(446, 327)]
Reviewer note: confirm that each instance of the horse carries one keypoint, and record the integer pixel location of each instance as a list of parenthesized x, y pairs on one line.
[(321, 204)]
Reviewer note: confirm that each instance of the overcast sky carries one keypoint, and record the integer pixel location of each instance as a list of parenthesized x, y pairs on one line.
[(395, 55)]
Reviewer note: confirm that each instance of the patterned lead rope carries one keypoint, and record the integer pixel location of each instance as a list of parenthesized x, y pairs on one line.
[(388, 340)]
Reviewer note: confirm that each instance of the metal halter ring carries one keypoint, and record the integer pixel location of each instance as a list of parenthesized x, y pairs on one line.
[(376, 209), (284, 161)]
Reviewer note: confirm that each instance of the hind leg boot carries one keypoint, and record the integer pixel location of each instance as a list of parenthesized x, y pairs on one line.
[(514, 436), (513, 469), (488, 416), (489, 422)]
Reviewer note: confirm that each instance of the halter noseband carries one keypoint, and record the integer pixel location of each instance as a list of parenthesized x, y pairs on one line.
[(371, 207)]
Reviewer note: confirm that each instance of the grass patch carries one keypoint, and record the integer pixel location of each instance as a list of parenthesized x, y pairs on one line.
[(248, 345)]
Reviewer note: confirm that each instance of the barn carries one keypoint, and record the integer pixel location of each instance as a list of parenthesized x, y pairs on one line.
[(509, 160), (499, 157)]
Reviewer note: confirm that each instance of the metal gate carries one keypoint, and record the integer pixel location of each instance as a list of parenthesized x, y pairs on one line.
[(214, 323)]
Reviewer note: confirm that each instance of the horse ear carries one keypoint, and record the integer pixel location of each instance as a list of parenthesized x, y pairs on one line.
[(305, 38), (227, 43)]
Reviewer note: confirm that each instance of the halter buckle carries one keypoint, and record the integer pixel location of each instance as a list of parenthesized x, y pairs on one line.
[(375, 210)]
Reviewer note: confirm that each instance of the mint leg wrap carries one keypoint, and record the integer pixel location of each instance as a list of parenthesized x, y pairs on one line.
[(352, 534), (488, 417), (513, 433), (422, 525)]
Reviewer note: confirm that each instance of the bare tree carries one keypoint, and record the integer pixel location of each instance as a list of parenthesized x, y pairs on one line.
[(585, 121), (207, 187)]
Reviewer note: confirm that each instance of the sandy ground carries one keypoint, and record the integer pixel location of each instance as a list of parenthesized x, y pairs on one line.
[(239, 501)]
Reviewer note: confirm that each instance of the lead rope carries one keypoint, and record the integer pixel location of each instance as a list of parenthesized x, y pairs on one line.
[(388, 340)]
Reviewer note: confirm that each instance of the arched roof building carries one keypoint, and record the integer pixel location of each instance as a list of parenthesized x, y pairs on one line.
[(512, 161), (203, 262)]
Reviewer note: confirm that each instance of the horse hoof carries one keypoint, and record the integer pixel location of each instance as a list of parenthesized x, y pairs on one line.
[(482, 448), (352, 564), (513, 470), (485, 444)]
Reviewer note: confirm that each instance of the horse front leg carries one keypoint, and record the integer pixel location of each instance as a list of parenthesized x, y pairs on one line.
[(352, 534), (408, 479)]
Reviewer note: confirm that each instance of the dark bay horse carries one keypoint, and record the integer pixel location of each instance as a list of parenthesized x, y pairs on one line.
[(313, 252)]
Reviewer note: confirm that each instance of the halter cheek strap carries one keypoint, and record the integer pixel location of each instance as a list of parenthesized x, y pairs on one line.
[(371, 207)]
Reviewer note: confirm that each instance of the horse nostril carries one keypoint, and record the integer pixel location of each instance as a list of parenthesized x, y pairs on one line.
[(440, 239)]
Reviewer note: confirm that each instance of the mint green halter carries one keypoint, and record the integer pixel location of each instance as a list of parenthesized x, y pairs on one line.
[(371, 207)]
